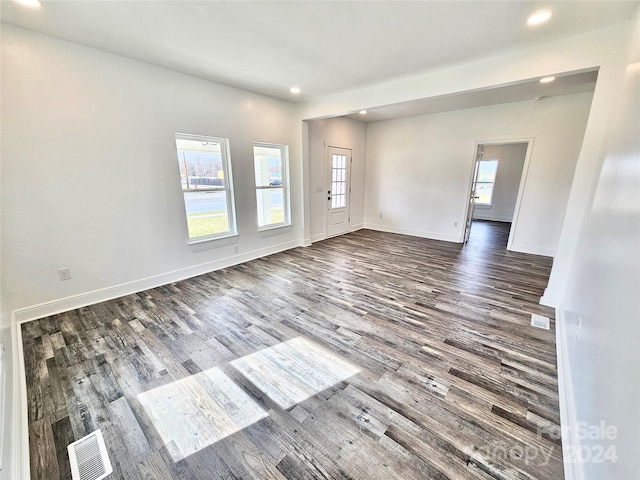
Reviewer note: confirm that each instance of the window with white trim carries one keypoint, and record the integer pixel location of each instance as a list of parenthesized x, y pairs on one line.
[(271, 165), (486, 171), (205, 177)]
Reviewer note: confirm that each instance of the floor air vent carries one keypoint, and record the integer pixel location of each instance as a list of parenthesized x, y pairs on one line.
[(540, 321), (89, 458)]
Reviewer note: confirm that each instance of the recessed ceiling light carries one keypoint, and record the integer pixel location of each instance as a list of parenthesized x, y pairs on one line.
[(30, 3), (538, 18), (363, 112), (295, 90), (547, 79)]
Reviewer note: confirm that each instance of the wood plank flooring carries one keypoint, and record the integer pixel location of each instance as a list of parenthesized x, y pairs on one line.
[(366, 356)]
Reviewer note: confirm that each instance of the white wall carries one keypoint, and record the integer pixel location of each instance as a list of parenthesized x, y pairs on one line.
[(6, 411), (335, 132), (89, 172), (81, 124), (505, 191), (599, 318), (90, 178), (419, 168), (602, 49)]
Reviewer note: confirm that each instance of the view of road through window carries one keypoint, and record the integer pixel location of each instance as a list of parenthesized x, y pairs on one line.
[(202, 202)]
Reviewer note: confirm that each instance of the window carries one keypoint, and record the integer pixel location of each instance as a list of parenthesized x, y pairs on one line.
[(272, 191), (338, 181), (485, 181), (205, 176)]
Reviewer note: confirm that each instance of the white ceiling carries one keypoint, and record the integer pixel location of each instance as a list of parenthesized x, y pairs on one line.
[(324, 47), (566, 84)]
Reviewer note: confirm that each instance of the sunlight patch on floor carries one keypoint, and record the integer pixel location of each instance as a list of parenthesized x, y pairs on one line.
[(197, 411), (293, 371)]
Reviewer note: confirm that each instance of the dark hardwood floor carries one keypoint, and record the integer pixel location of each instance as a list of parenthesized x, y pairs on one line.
[(488, 235), (365, 356)]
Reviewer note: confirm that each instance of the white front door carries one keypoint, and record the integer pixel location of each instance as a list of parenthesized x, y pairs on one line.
[(339, 190)]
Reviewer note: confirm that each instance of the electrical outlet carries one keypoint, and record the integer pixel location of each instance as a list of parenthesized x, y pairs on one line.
[(455, 224), (381, 215), (236, 250), (65, 274)]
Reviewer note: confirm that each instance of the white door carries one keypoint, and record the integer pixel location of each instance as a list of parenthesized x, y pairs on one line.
[(339, 190), (472, 195)]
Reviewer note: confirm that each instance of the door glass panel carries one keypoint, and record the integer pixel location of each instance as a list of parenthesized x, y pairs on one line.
[(339, 181)]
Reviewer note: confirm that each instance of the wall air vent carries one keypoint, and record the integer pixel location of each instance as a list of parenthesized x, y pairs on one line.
[(539, 321), (89, 458)]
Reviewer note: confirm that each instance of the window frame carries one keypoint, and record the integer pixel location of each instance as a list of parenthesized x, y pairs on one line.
[(284, 186), (477, 182), (227, 188), (338, 197)]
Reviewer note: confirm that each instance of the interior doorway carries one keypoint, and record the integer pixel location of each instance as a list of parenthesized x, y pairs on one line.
[(339, 191), (498, 178)]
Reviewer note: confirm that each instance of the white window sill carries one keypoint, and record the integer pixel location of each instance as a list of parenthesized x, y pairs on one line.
[(216, 242), (272, 230)]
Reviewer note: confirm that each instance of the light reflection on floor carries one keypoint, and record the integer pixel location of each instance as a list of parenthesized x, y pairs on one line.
[(197, 411), (293, 371)]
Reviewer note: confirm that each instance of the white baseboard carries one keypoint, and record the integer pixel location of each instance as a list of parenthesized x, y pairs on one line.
[(415, 233), (570, 443), (323, 236), (20, 461), (6, 421), (519, 247), (21, 468), (317, 238), (89, 298)]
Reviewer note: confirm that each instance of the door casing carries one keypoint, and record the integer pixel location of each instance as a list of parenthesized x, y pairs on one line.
[(338, 220), (523, 180)]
